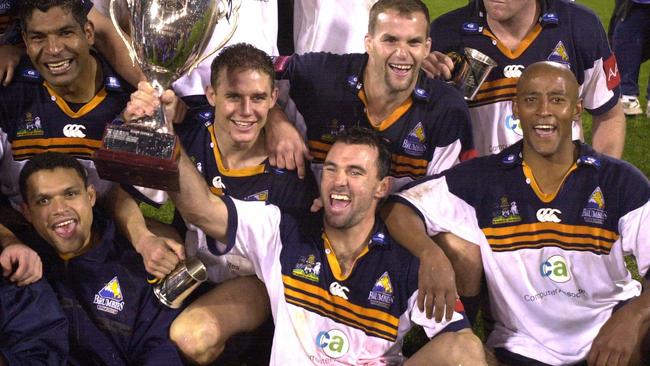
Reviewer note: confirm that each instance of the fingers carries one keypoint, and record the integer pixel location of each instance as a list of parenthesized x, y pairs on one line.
[(438, 66), (316, 205), (8, 75), (6, 263), (450, 306), (439, 308), (177, 248)]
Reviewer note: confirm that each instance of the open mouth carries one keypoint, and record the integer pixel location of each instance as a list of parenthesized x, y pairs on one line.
[(339, 200), (243, 125), (544, 130), (65, 229), (59, 67), (400, 68)]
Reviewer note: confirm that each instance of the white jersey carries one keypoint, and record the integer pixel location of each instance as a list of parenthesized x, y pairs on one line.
[(322, 317), (554, 264), (257, 24), (336, 26)]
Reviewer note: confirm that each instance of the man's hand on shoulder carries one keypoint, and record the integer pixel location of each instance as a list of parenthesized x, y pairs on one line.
[(285, 146), (27, 264), (437, 65)]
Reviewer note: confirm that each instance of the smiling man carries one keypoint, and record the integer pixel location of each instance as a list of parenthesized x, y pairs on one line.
[(554, 220), (113, 315), (341, 290)]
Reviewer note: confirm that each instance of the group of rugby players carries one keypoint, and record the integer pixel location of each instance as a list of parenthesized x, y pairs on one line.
[(336, 199)]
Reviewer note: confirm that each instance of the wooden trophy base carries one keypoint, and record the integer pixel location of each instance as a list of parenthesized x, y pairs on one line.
[(138, 156)]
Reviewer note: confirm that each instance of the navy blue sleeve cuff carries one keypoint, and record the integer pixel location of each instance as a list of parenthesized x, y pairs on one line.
[(399, 199), (230, 233), (607, 106)]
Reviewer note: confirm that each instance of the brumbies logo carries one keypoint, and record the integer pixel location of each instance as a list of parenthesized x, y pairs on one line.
[(559, 54), (307, 268), (109, 298), (382, 292), (414, 142), (505, 212), (30, 126), (594, 212)]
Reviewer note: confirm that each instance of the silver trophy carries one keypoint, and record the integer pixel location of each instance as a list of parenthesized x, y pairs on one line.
[(180, 283), (470, 71), (167, 39)]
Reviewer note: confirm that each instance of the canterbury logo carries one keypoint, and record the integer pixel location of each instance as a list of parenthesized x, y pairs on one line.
[(512, 71), (337, 289), (74, 131), (548, 215)]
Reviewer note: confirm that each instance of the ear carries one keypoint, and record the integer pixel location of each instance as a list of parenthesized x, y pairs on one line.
[(274, 97), (367, 42), (25, 209), (210, 94), (89, 31), (92, 194), (515, 109), (578, 110), (383, 189), (428, 44)]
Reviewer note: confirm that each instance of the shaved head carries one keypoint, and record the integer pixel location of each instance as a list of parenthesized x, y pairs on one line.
[(551, 70)]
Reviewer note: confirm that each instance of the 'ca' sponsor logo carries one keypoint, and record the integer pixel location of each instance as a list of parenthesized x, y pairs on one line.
[(334, 343), (514, 125), (74, 131), (548, 215), (556, 269), (512, 71)]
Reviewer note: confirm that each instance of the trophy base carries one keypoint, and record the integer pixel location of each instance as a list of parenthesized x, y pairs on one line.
[(139, 156)]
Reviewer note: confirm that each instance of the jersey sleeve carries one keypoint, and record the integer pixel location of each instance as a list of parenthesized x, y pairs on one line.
[(439, 209), (600, 87), (633, 224), (33, 328), (292, 194)]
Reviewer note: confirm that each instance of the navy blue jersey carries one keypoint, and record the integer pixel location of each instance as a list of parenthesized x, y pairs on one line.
[(114, 317), (554, 261), (322, 315), (34, 119), (566, 32), (33, 328), (428, 133)]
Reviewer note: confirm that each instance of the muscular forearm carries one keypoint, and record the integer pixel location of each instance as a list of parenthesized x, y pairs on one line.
[(196, 203), (128, 216), (608, 132)]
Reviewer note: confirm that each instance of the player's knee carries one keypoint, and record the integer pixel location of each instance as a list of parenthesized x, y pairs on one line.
[(199, 340), (464, 348)]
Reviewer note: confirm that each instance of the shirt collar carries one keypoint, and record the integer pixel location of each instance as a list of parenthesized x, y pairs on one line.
[(476, 23), (512, 156)]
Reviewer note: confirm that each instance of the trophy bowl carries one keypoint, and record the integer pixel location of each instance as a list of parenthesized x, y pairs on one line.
[(167, 38), (470, 71)]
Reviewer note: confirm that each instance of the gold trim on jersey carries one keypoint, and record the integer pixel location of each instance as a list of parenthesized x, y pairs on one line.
[(241, 172), (314, 298), (544, 197), (392, 118), (87, 108), (80, 147), (334, 263), (496, 90), (548, 234), (523, 45)]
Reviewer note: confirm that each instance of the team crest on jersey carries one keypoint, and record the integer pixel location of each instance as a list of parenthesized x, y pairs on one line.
[(259, 196), (594, 212), (505, 212), (414, 143), (109, 299), (307, 268), (382, 292), (559, 54), (30, 126), (334, 130)]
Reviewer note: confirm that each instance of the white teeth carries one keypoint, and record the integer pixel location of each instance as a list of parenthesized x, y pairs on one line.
[(544, 127), (401, 67), (58, 65), (243, 124), (64, 223), (340, 197)]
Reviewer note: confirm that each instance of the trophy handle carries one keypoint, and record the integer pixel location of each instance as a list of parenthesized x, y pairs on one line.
[(235, 12), (120, 32)]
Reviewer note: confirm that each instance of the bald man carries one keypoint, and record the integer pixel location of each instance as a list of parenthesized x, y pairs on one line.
[(554, 220)]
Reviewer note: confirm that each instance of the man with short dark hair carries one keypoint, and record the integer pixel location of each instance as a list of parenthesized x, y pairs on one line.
[(114, 317), (341, 290), (553, 219)]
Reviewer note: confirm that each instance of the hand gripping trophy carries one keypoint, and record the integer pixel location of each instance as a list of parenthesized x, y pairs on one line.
[(167, 39)]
